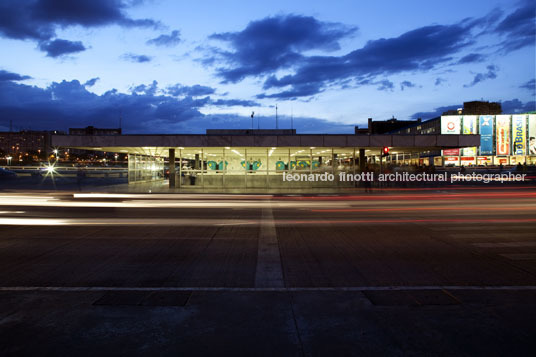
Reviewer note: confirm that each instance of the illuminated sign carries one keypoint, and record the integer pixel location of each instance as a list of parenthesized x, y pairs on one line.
[(451, 152), (469, 124), (470, 151), (451, 160), (519, 133), (450, 124), (484, 160), (502, 134), (532, 134), (486, 134), (469, 127)]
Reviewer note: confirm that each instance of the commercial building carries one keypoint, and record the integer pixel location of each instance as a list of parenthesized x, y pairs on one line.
[(505, 139), (259, 158)]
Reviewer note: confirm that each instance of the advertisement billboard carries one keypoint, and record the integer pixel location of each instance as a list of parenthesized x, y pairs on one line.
[(470, 151), (451, 124), (502, 134), (451, 152), (519, 132), (469, 124), (532, 134), (452, 160), (486, 134)]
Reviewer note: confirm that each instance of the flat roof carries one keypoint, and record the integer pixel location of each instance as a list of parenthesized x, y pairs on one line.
[(159, 144)]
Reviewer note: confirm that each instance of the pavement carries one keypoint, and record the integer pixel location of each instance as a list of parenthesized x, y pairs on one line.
[(416, 272)]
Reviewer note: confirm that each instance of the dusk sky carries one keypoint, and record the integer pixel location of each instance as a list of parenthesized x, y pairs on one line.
[(182, 67)]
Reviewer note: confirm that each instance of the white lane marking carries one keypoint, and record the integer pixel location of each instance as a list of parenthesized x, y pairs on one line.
[(267, 289), (505, 244), (269, 273), (521, 256)]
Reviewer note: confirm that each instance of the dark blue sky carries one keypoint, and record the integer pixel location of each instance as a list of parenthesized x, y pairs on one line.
[(172, 67)]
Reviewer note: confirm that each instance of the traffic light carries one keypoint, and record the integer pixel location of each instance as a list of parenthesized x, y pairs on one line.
[(385, 151)]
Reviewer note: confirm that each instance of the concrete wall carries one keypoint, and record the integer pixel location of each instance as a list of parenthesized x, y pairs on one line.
[(175, 141)]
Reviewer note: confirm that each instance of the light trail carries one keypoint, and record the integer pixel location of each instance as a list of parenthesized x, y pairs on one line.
[(234, 222), (123, 222), (430, 220), (439, 196), (282, 289), (428, 208)]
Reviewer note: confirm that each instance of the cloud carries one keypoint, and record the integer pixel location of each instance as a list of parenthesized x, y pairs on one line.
[(303, 125), (69, 104), (273, 43), (263, 48), (386, 85), (530, 85), (439, 80), (193, 91), (471, 58), (436, 112), (508, 106), (146, 109), (518, 28), (59, 47), (91, 82), (38, 20), (145, 89), (172, 39), (235, 102), (10, 76), (516, 106), (294, 93), (136, 58), (406, 84), (479, 77), (421, 49)]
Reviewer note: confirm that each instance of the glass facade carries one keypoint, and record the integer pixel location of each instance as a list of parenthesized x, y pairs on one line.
[(143, 168), (261, 167)]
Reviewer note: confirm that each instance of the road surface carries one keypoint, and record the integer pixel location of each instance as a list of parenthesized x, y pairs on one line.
[(449, 272)]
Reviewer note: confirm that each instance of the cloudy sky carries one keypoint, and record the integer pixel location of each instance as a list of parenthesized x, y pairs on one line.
[(166, 66)]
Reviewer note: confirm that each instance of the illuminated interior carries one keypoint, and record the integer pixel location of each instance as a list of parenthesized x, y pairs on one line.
[(256, 167)]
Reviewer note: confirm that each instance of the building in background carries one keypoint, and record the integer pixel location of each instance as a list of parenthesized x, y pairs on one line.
[(481, 108), (385, 126), (433, 126), (25, 145), (505, 139), (91, 130)]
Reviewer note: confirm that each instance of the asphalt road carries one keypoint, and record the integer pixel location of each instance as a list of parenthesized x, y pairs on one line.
[(449, 272)]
